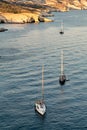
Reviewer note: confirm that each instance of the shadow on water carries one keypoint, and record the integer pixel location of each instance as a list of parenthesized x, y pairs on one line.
[(62, 89), (11, 54), (8, 51)]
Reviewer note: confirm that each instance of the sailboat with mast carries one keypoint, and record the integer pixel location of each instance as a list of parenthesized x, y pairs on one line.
[(62, 77), (40, 106), (62, 28)]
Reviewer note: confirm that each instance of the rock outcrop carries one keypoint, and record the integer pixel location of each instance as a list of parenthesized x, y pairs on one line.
[(59, 5), (22, 18), (65, 5), (17, 13)]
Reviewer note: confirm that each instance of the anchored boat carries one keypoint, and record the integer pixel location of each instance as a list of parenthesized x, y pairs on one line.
[(62, 77), (62, 28), (40, 106), (3, 29)]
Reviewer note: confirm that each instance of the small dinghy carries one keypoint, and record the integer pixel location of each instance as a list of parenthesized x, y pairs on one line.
[(3, 29)]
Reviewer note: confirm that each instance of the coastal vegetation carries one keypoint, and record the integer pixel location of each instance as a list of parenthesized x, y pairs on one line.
[(8, 8)]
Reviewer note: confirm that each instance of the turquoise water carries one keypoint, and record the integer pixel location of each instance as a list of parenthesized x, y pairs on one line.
[(23, 50)]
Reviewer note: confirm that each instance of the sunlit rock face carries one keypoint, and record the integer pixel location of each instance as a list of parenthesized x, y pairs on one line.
[(51, 2), (61, 5), (22, 18), (67, 4)]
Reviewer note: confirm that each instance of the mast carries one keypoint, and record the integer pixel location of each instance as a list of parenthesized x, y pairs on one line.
[(62, 63), (43, 82), (62, 26)]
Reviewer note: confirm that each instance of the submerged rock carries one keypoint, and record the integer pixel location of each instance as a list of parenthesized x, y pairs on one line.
[(41, 19)]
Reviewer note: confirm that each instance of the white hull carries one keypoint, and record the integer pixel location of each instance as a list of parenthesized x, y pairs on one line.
[(40, 108)]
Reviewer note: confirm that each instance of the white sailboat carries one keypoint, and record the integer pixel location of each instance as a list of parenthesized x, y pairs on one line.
[(62, 28), (40, 106), (62, 77)]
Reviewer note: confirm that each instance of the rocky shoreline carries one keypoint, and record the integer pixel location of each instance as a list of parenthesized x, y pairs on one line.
[(38, 12), (22, 18)]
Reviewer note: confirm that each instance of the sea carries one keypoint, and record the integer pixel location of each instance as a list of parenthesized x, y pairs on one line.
[(24, 49)]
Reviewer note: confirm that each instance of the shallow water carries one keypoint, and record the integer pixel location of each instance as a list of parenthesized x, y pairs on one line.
[(23, 50)]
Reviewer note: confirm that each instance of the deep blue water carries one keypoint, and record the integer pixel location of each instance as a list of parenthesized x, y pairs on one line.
[(23, 50)]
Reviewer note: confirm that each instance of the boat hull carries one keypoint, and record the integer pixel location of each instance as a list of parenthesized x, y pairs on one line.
[(40, 108), (61, 32), (62, 79), (3, 29)]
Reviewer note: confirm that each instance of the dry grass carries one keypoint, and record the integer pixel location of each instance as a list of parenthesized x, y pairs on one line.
[(9, 8)]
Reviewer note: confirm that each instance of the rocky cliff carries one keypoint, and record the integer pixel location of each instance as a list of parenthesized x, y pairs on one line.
[(61, 5), (65, 5), (11, 12)]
